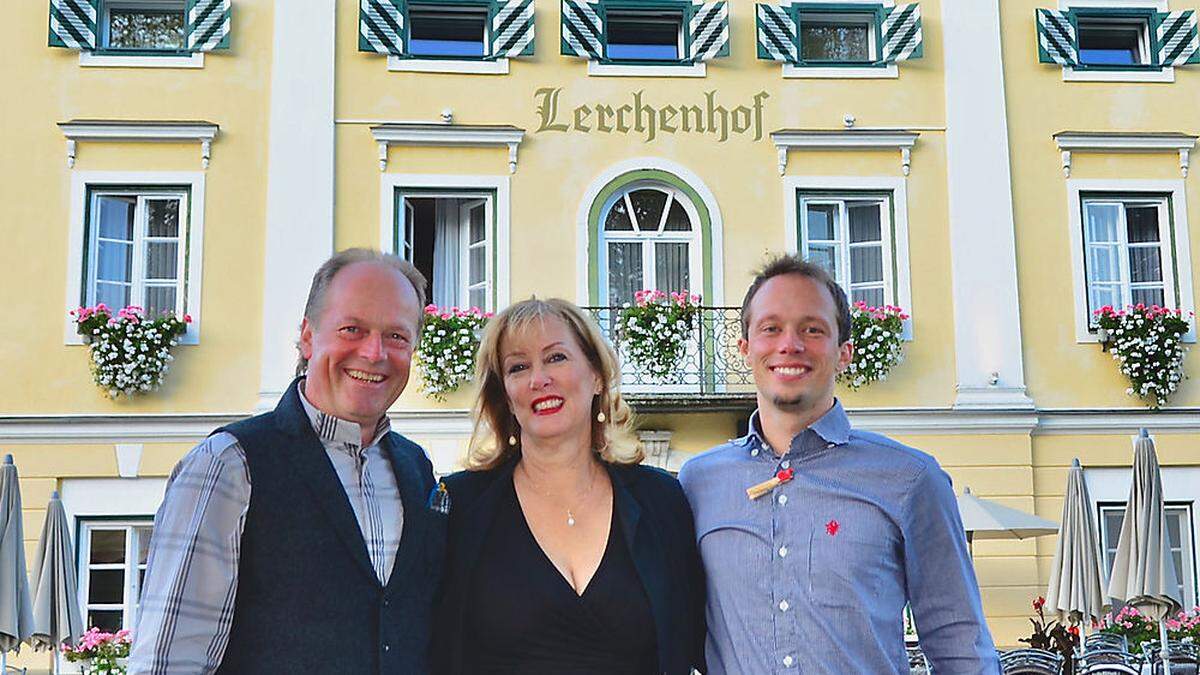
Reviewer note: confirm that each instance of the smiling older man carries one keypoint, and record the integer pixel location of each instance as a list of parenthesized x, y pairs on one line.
[(305, 529)]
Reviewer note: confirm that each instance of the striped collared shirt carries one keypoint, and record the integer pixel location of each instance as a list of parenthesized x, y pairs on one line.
[(813, 576), (189, 590)]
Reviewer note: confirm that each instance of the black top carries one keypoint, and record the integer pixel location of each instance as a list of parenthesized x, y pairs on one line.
[(525, 617), (654, 526)]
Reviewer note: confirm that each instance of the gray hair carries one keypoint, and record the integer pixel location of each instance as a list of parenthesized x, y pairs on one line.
[(329, 269)]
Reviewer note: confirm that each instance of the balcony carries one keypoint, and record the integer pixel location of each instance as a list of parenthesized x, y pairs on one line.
[(711, 375)]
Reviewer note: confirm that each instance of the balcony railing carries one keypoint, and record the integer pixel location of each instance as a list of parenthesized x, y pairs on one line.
[(711, 368)]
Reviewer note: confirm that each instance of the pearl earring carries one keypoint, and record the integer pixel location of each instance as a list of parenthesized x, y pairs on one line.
[(512, 440), (600, 417)]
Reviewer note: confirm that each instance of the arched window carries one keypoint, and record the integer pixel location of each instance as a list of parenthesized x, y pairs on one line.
[(650, 238)]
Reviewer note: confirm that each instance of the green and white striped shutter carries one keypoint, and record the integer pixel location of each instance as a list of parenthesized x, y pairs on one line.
[(1177, 40), (902, 35), (381, 26), (582, 29), (73, 24), (777, 39), (1056, 38), (512, 28), (208, 24), (709, 30)]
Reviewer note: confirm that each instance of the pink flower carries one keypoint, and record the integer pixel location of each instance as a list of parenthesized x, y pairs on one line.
[(431, 309), (904, 317), (488, 315), (187, 318), (446, 315)]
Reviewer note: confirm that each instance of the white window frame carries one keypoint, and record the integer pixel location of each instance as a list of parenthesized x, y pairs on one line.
[(842, 241), (664, 69), (794, 186), (81, 182), (104, 20), (889, 72), (1187, 542), (1127, 286), (457, 187), (844, 18), (1166, 74), (129, 603), (137, 280), (1178, 270), (693, 238), (1181, 486), (1113, 23), (653, 15), (111, 60)]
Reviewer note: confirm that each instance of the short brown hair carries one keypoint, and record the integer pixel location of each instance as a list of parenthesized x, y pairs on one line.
[(323, 279), (794, 264), (613, 439)]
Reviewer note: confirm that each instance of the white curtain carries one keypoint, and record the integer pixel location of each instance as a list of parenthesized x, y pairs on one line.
[(446, 254)]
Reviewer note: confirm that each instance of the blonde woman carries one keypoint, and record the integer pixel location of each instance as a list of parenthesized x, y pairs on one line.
[(565, 555)]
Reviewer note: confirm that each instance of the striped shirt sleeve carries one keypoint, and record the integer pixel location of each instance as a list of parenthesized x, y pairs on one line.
[(191, 577)]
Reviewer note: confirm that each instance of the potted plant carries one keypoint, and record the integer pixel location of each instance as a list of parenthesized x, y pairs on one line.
[(130, 353), (655, 329), (449, 342), (1053, 636), (1146, 342), (877, 335), (100, 653)]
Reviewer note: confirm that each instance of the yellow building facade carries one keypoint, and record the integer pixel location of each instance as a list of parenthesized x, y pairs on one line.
[(935, 155)]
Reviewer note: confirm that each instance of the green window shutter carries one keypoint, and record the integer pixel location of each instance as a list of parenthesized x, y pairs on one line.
[(1177, 40), (381, 26), (582, 29), (777, 34), (512, 28), (208, 24), (709, 30), (73, 24), (1056, 38), (901, 33)]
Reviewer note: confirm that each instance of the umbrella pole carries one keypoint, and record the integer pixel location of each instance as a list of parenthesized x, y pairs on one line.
[(1162, 641)]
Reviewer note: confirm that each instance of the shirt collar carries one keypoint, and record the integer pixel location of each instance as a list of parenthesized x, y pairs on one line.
[(833, 427), (344, 432)]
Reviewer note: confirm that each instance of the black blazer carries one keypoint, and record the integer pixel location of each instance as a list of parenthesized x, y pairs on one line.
[(658, 528)]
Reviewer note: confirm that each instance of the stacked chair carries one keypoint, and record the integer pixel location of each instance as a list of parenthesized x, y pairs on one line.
[(1030, 662), (1184, 657)]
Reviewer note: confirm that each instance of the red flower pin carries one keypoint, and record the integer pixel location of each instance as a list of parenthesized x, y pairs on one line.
[(832, 527)]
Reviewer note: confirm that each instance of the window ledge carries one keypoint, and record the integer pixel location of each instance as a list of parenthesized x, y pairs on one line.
[(1166, 74), (461, 66), (191, 338), (631, 70), (91, 60), (1091, 339), (888, 72)]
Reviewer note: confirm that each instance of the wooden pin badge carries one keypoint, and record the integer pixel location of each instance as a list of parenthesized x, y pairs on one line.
[(760, 489)]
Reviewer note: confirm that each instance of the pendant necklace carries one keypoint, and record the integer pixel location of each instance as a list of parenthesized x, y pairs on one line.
[(570, 511)]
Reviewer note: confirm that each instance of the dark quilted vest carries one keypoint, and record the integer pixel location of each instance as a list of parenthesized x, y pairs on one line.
[(308, 600)]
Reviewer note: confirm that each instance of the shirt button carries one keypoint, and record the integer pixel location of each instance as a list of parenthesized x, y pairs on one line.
[(783, 551), (387, 648), (782, 499), (754, 452), (788, 661), (787, 463), (783, 605)]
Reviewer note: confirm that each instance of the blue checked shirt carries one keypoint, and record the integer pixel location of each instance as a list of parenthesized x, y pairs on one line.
[(813, 577)]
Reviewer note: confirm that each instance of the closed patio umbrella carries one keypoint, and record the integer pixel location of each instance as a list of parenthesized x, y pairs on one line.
[(56, 618), (986, 519), (1143, 573), (1076, 580), (16, 613)]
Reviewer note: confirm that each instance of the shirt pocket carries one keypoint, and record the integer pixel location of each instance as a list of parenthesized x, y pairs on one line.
[(847, 569)]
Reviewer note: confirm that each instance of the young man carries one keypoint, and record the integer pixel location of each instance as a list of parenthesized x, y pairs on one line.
[(813, 575), (299, 541)]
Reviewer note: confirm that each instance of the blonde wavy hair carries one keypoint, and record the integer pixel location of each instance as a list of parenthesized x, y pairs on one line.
[(613, 440)]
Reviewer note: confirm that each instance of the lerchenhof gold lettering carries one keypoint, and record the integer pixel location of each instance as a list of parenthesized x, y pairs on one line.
[(710, 117)]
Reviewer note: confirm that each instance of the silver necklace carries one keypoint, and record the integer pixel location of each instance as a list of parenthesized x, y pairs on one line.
[(570, 511)]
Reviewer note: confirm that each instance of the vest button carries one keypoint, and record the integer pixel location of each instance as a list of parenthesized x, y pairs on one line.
[(387, 647), (387, 603)]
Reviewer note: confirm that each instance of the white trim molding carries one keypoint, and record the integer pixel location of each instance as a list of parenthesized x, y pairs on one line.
[(501, 185), (81, 181), (396, 64), (897, 186), (844, 139), (455, 135), (140, 131), (595, 69), (1177, 191), (92, 60), (716, 223), (1125, 141), (793, 72)]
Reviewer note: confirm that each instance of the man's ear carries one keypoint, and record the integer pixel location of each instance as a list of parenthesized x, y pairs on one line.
[(845, 355), (306, 337), (743, 347)]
